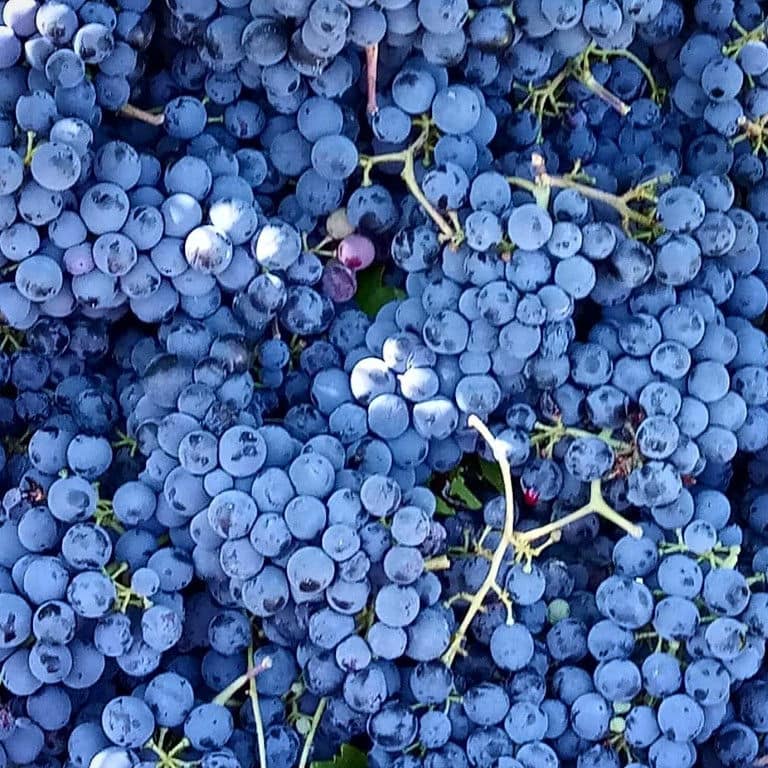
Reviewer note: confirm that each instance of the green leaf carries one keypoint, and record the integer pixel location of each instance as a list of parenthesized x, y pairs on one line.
[(372, 293), (444, 508), (348, 757), (491, 472), (459, 490)]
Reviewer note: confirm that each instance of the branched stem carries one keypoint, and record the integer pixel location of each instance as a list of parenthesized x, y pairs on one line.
[(142, 114), (477, 600), (126, 441), (105, 515), (755, 131), (596, 505), (310, 737), (526, 544), (506, 601), (10, 337), (643, 193), (553, 433), (545, 100), (757, 34), (406, 158), (168, 758), (603, 54)]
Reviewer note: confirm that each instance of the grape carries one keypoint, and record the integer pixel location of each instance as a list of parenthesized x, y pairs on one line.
[(338, 282), (127, 721), (355, 252), (208, 726)]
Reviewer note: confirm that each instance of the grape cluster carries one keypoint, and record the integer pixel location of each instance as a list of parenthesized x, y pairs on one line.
[(383, 382)]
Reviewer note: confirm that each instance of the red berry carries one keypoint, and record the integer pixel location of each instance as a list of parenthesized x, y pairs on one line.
[(356, 252), (531, 496)]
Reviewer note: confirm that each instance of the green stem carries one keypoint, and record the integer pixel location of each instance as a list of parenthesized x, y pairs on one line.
[(595, 505), (30, 147), (758, 33), (406, 158), (224, 696), (439, 563), (621, 203), (755, 132), (408, 175), (507, 537), (558, 431), (254, 696), (603, 53), (307, 749), (10, 337)]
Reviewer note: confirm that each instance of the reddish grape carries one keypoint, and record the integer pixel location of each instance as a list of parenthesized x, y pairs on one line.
[(355, 252), (339, 282), (531, 496)]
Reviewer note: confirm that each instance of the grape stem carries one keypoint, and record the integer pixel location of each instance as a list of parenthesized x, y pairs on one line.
[(757, 34), (310, 737), (169, 759), (544, 100), (29, 154), (508, 532), (521, 542), (253, 694), (10, 337), (755, 131), (406, 157), (371, 74), (603, 54), (125, 441), (643, 193), (142, 114), (105, 514), (553, 433), (593, 84), (595, 505)]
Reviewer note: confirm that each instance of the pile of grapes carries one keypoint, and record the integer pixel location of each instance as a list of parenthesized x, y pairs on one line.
[(383, 383)]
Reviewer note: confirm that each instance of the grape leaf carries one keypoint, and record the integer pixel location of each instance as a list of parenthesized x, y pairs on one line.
[(444, 508), (348, 757), (459, 490), (491, 472), (372, 293)]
